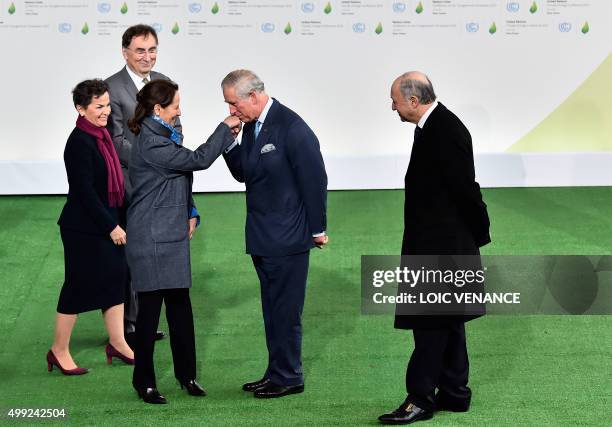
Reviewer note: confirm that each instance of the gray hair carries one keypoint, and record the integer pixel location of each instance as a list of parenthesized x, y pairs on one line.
[(245, 82), (423, 90)]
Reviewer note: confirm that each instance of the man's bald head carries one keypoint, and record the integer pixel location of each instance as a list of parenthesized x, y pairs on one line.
[(412, 93), (416, 83)]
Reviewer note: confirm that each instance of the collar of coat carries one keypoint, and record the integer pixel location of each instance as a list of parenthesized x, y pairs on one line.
[(156, 128)]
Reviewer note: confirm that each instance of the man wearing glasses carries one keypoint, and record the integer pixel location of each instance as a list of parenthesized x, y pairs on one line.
[(139, 47)]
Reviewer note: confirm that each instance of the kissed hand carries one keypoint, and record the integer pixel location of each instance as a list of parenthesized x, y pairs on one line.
[(236, 130), (233, 122)]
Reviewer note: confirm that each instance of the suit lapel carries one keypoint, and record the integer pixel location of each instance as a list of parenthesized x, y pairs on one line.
[(130, 87), (264, 136), (433, 117), (264, 133), (248, 135)]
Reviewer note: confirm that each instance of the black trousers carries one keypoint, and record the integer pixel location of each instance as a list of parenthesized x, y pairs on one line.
[(439, 360), (283, 288), (130, 307), (182, 337)]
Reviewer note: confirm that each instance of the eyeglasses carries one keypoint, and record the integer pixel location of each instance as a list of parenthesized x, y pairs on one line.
[(142, 52)]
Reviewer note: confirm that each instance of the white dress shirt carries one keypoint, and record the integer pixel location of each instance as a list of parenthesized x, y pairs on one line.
[(421, 122), (138, 81), (264, 112)]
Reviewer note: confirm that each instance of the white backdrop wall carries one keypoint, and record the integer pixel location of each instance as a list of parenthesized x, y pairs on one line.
[(333, 68)]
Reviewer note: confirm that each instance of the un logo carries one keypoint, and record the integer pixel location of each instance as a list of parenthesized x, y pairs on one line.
[(267, 27), (308, 7), (104, 7), (472, 27), (399, 7), (513, 6), (359, 27), (64, 27), (195, 7), (565, 27)]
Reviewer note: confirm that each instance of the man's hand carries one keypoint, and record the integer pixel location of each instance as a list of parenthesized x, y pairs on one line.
[(192, 226), (118, 236), (321, 241)]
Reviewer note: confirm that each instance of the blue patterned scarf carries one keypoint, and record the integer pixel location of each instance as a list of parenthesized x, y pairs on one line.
[(175, 136)]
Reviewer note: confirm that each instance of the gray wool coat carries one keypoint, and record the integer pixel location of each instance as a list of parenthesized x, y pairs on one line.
[(161, 173)]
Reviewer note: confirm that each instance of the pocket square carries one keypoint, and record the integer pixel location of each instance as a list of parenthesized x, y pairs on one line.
[(267, 148)]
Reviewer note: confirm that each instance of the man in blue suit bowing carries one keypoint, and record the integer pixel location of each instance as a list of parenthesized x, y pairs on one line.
[(280, 162)]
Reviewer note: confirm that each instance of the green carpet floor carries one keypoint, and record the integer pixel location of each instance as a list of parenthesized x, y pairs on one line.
[(525, 370)]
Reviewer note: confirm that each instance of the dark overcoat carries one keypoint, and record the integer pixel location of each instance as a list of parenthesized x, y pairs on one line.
[(444, 213)]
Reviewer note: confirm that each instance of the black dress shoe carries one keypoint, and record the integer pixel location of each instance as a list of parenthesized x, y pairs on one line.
[(256, 384), (406, 414), (159, 335), (271, 390), (151, 395), (193, 388)]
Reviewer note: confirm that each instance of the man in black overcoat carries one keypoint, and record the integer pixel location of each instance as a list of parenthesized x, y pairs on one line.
[(444, 214)]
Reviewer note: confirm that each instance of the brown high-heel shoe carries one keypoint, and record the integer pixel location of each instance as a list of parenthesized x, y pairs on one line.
[(52, 360), (113, 352)]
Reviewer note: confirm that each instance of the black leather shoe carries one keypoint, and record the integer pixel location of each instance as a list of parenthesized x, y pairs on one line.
[(256, 384), (151, 395), (193, 388), (444, 403), (406, 414), (159, 335), (271, 390)]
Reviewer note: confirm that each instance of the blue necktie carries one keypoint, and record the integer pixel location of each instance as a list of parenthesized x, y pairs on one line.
[(257, 128)]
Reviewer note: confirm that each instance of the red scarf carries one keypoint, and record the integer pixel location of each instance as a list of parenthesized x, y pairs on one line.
[(105, 145)]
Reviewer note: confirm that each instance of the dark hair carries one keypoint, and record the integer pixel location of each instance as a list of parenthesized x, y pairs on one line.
[(136, 31), (85, 91), (155, 92)]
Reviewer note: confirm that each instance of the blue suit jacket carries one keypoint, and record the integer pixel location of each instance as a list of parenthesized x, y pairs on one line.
[(286, 184)]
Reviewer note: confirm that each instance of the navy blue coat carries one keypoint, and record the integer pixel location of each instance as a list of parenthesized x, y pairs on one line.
[(286, 184), (86, 209)]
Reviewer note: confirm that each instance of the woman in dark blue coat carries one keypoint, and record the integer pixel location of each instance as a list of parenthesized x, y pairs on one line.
[(94, 258)]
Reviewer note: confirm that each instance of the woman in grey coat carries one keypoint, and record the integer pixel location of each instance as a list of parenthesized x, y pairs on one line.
[(161, 221)]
